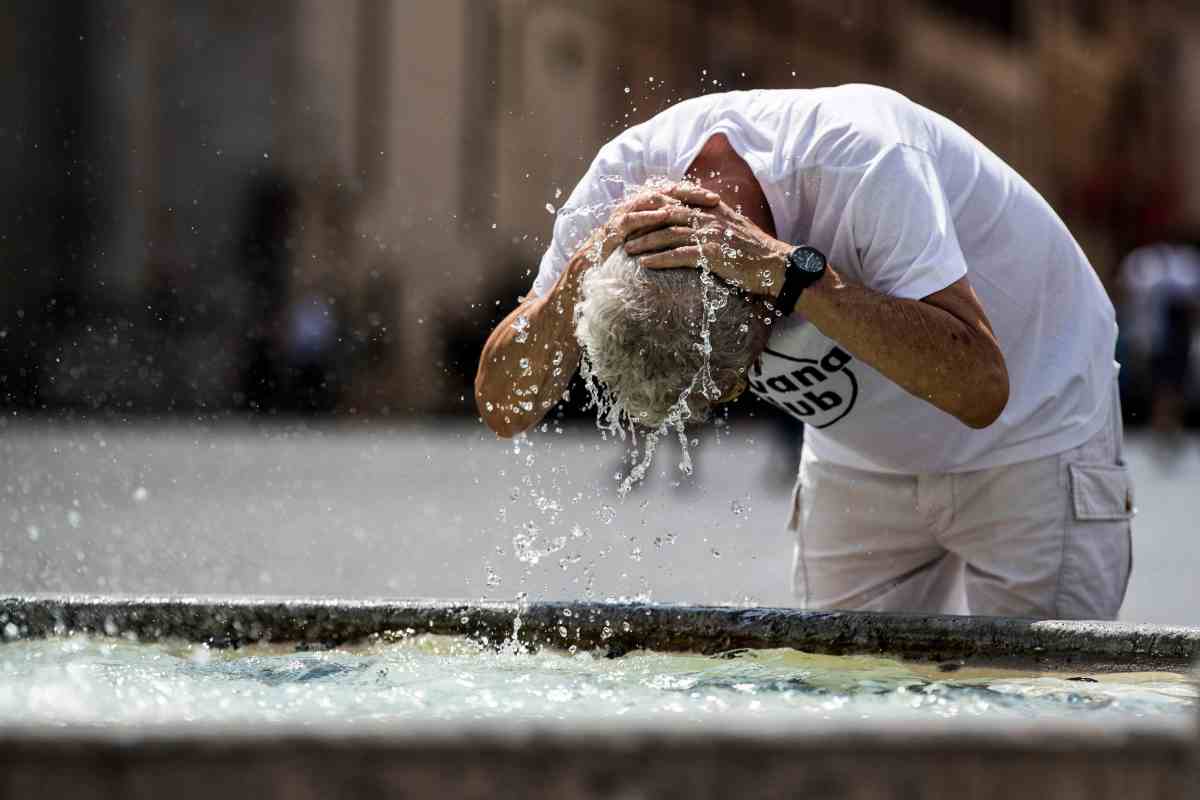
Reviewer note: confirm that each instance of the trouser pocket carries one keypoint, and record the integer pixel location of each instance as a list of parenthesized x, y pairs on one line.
[(1097, 552), (1101, 492)]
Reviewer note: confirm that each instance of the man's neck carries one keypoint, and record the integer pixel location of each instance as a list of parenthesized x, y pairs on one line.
[(720, 169)]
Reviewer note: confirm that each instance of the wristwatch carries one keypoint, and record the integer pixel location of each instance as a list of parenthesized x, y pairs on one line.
[(804, 266)]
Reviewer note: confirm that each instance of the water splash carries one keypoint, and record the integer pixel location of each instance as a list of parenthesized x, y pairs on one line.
[(521, 327), (611, 417)]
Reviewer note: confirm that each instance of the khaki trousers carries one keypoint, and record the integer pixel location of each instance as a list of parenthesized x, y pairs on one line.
[(1048, 538)]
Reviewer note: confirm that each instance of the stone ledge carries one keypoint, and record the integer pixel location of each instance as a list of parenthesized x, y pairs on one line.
[(587, 766), (616, 628)]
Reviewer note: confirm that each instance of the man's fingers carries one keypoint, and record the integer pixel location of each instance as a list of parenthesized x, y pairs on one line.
[(648, 201), (688, 216), (637, 222), (661, 239), (688, 256), (694, 195)]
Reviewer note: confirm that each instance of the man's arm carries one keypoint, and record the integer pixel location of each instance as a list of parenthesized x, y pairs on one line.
[(940, 348), (529, 359)]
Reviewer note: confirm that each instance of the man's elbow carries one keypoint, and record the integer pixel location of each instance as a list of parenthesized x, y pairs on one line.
[(990, 395)]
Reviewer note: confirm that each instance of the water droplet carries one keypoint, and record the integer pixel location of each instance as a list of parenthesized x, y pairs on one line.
[(74, 519), (140, 494), (493, 580), (550, 208), (715, 553), (626, 90), (741, 508), (521, 326)]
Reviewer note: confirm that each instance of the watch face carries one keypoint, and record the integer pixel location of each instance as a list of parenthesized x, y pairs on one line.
[(809, 259)]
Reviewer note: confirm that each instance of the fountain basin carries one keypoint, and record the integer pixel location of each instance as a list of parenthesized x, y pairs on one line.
[(724, 755)]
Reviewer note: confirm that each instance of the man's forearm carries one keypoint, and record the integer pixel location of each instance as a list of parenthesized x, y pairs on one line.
[(530, 357), (925, 349)]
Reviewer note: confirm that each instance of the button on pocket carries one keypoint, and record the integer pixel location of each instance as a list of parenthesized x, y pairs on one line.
[(1101, 491)]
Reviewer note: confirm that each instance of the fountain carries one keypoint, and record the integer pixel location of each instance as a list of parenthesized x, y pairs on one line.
[(720, 755)]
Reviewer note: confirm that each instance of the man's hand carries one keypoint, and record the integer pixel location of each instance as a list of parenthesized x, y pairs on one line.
[(529, 358), (651, 210), (733, 247)]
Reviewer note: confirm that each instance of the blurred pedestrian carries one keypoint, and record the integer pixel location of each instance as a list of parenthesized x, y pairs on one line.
[(1160, 320)]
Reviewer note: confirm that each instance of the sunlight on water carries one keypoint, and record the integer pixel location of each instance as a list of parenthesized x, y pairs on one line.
[(85, 680)]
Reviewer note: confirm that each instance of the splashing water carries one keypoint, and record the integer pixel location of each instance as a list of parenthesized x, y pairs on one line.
[(611, 418), (96, 681), (521, 326)]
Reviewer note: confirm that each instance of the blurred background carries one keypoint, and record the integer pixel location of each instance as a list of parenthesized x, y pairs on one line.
[(250, 252)]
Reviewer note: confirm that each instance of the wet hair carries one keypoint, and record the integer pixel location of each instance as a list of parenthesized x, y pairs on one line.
[(641, 332)]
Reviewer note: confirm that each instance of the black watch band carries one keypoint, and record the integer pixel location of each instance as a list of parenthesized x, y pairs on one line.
[(805, 266)]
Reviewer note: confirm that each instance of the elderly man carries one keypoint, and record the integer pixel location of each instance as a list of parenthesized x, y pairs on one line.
[(941, 334)]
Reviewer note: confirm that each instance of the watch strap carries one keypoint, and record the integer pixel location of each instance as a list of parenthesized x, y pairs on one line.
[(795, 281)]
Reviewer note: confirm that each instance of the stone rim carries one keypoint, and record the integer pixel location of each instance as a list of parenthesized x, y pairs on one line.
[(614, 628)]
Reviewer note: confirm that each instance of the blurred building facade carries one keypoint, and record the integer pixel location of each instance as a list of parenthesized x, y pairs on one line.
[(313, 205)]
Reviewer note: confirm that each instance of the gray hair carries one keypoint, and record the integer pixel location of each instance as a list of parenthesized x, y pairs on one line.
[(642, 334)]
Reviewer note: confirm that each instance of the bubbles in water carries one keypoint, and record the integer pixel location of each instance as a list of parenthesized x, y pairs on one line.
[(606, 514)]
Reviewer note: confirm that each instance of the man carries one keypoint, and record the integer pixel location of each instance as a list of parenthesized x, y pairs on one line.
[(945, 341)]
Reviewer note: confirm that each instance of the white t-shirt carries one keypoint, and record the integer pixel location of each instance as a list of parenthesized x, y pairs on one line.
[(905, 202)]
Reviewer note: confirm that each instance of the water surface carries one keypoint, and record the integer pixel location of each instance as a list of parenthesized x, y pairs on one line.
[(104, 681)]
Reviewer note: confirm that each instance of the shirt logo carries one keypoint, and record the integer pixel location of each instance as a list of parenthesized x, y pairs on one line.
[(818, 392)]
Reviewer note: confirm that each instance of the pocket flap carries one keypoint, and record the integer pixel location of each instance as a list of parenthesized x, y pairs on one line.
[(1101, 491)]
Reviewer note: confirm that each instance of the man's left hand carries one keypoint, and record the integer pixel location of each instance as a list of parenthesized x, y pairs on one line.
[(732, 246)]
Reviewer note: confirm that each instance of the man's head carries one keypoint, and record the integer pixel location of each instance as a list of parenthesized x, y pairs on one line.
[(642, 332)]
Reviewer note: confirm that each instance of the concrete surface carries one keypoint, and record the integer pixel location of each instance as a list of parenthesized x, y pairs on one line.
[(362, 510)]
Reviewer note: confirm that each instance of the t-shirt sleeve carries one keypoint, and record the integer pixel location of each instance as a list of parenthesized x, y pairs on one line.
[(616, 167), (902, 227)]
